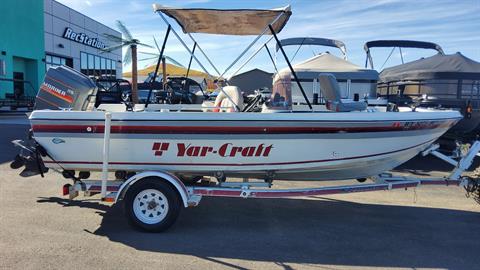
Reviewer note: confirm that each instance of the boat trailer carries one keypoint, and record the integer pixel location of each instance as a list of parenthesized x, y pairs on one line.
[(113, 191)]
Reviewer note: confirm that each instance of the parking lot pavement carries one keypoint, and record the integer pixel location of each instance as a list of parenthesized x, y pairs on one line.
[(430, 227), (18, 118)]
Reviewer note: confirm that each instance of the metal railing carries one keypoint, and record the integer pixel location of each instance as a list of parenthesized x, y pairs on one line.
[(14, 100)]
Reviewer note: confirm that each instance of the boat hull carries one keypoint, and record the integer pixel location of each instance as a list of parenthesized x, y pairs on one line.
[(304, 146)]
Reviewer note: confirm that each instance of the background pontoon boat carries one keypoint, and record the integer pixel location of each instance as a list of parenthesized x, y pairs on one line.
[(353, 80), (164, 145), (446, 81)]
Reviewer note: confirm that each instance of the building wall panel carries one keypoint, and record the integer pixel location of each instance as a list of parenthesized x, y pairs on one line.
[(77, 18), (60, 11)]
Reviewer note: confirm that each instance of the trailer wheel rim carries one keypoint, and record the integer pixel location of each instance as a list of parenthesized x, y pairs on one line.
[(150, 206)]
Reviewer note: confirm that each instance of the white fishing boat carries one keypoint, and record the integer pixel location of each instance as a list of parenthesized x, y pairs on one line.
[(172, 143), (316, 146)]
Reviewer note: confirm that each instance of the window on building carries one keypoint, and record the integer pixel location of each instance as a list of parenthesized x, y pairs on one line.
[(103, 66), (114, 69), (83, 63), (97, 65), (91, 65), (94, 65), (108, 67), (55, 61)]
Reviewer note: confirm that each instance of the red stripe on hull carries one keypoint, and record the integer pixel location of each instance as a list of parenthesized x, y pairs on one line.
[(229, 130)]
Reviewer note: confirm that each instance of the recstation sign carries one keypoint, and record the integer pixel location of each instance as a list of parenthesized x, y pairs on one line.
[(83, 39)]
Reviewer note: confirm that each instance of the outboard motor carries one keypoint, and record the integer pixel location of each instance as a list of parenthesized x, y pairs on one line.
[(63, 88), (66, 88)]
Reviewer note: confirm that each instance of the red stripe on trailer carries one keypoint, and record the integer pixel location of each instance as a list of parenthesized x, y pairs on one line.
[(239, 192), (99, 188), (441, 182), (256, 193)]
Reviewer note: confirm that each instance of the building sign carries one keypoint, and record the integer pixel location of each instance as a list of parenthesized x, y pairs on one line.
[(83, 39)]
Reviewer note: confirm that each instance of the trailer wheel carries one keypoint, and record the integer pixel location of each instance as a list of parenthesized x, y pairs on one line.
[(152, 205)]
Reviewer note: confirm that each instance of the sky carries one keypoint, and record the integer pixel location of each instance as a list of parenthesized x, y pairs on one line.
[(454, 25)]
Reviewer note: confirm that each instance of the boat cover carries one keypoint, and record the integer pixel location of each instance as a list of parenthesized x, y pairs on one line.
[(452, 66), (328, 63), (227, 21)]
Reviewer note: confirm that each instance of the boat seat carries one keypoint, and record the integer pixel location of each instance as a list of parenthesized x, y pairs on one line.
[(223, 104), (331, 92)]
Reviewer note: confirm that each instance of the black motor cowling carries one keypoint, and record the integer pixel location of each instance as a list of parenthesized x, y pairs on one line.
[(65, 88)]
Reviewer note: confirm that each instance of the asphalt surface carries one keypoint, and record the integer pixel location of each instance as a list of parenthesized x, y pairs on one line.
[(423, 228)]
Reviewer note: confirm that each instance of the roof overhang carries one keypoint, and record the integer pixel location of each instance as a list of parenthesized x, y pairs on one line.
[(227, 21)]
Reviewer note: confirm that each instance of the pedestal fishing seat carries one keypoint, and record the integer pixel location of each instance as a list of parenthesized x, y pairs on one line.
[(331, 92)]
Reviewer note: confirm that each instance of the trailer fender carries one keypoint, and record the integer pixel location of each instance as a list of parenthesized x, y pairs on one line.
[(162, 176)]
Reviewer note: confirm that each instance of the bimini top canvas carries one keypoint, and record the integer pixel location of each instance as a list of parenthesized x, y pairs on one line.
[(227, 21), (452, 66)]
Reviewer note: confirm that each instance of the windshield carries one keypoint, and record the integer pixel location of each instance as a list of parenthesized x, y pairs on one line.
[(281, 98)]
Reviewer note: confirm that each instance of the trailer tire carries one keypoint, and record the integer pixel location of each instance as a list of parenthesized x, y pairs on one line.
[(152, 205)]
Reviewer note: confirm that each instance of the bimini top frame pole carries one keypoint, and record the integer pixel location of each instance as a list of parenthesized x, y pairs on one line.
[(183, 43), (154, 77), (231, 22), (196, 59), (291, 67), (205, 55), (250, 58), (251, 45), (226, 22)]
